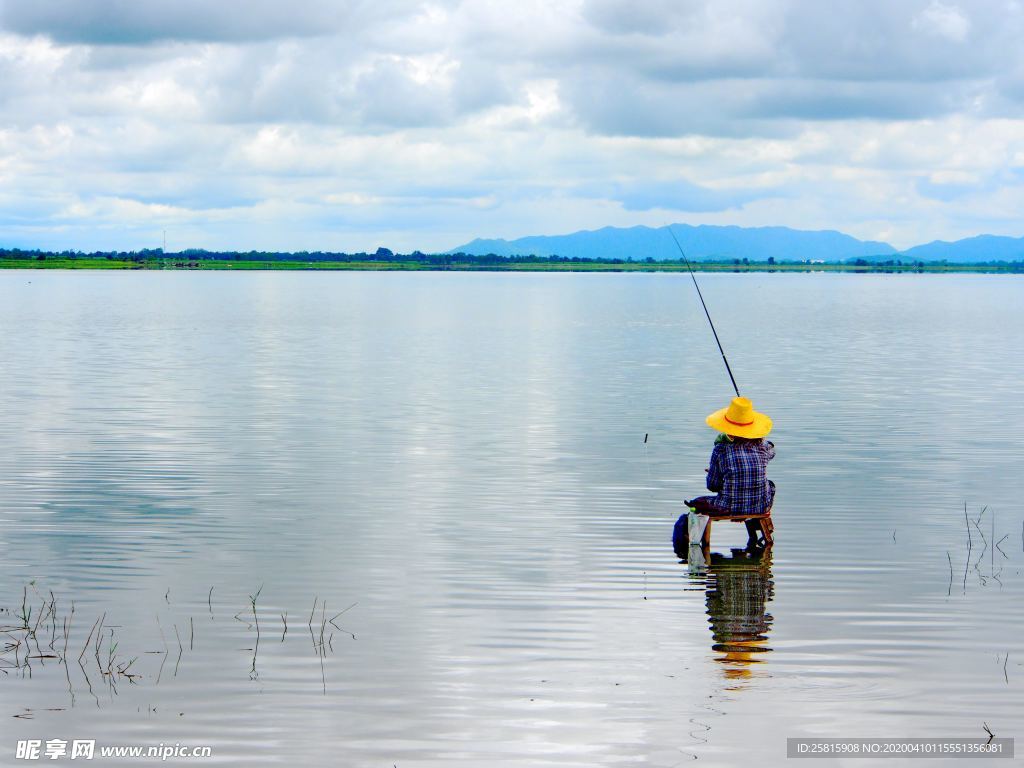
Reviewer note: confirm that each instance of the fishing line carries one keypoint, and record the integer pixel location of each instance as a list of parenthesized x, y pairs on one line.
[(708, 314)]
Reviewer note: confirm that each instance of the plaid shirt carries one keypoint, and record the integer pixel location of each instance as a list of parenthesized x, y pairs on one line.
[(738, 475)]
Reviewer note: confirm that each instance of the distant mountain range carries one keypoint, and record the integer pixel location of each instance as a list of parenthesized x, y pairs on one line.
[(970, 250), (706, 243)]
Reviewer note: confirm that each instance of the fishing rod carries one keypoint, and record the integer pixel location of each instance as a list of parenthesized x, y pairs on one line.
[(694, 278)]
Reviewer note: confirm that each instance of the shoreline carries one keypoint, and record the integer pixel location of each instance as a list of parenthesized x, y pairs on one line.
[(224, 265)]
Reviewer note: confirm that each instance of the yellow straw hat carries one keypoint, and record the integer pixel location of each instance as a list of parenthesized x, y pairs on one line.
[(740, 420)]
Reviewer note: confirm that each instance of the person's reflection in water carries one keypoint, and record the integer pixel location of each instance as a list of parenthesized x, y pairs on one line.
[(738, 589)]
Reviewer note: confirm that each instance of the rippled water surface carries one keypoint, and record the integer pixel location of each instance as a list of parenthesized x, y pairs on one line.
[(459, 461)]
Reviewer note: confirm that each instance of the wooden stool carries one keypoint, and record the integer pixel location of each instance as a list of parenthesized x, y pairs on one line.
[(756, 524)]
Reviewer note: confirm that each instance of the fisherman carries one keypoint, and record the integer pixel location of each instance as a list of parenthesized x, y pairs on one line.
[(737, 472)]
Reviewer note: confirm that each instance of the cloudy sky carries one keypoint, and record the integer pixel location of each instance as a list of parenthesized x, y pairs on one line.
[(347, 125)]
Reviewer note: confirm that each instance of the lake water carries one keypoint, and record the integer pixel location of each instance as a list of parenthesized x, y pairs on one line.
[(459, 460)]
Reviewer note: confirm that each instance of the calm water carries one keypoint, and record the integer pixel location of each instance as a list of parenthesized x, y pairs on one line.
[(461, 457)]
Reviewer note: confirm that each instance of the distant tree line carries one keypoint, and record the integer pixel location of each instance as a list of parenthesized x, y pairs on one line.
[(143, 255), (380, 255)]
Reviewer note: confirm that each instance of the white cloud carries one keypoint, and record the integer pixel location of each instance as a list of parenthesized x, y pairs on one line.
[(944, 20)]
